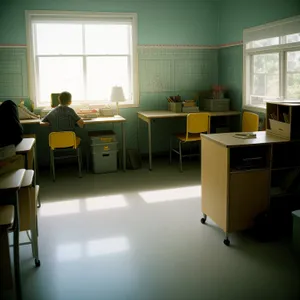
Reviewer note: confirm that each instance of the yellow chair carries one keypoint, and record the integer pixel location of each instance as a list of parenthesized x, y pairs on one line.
[(64, 141), (196, 123), (250, 122)]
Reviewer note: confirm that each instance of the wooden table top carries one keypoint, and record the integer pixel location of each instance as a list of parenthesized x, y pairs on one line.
[(12, 180), (86, 121), (25, 145), (230, 140), (157, 114)]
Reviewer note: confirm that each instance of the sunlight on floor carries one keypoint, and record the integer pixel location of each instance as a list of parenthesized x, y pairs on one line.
[(171, 194), (60, 208), (68, 252), (105, 202), (107, 246)]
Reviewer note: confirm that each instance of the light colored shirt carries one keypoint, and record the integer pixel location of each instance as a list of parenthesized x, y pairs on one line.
[(62, 118)]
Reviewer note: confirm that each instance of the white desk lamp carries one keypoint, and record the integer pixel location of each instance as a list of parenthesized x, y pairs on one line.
[(117, 95)]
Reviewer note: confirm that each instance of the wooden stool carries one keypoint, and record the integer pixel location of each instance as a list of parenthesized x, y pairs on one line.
[(6, 223)]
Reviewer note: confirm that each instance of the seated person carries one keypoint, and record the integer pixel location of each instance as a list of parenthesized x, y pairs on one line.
[(11, 130), (63, 117)]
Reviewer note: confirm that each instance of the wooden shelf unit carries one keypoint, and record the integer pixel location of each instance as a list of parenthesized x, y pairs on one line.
[(283, 119), (234, 198)]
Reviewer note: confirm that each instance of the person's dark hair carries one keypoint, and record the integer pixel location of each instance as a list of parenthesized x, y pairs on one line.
[(65, 98)]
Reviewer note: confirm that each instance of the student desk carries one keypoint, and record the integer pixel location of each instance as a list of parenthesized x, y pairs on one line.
[(149, 116), (99, 120), (10, 184), (236, 177)]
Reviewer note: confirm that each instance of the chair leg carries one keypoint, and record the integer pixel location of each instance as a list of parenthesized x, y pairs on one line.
[(79, 161), (52, 164), (180, 157), (171, 150)]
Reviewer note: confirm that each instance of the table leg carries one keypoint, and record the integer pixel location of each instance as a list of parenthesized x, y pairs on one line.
[(123, 146), (16, 250), (150, 145), (33, 226), (138, 134)]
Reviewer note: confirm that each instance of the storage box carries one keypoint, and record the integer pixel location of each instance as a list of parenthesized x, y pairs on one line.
[(102, 136), (281, 129), (104, 149), (104, 162), (215, 104), (175, 106)]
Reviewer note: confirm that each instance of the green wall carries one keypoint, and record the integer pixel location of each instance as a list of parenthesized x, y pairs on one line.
[(162, 72), (159, 22), (235, 16)]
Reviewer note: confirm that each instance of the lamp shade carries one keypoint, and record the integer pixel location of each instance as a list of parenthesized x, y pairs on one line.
[(117, 94)]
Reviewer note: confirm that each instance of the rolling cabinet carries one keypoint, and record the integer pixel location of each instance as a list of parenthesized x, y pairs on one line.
[(236, 176)]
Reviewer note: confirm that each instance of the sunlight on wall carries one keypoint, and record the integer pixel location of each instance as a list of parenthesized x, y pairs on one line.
[(107, 246), (105, 202), (60, 208), (68, 252), (171, 194)]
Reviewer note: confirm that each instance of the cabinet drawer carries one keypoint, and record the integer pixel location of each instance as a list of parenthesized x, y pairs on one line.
[(248, 197), (247, 158)]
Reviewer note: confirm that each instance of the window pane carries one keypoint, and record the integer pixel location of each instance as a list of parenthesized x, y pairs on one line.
[(293, 61), (293, 75), (293, 86), (58, 38), (105, 72), (107, 39), (265, 76), (293, 38), (57, 74), (259, 85), (272, 82), (263, 43)]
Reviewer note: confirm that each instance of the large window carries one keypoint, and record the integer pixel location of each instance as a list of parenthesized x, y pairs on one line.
[(272, 63), (85, 54)]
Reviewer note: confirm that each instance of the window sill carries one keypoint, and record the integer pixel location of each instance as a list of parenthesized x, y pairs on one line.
[(259, 109), (97, 106)]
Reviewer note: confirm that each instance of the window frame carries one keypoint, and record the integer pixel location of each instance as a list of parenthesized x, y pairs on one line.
[(282, 48), (105, 16)]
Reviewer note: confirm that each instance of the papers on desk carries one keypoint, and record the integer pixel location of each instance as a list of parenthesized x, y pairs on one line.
[(246, 135)]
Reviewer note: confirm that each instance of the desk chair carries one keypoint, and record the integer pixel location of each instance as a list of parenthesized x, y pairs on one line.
[(250, 122), (6, 223), (196, 123), (64, 141)]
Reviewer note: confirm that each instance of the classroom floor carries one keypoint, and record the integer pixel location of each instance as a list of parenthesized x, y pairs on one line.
[(137, 236)]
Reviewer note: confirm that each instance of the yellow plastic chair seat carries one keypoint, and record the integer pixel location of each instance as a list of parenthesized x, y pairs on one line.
[(191, 137), (78, 140), (63, 139)]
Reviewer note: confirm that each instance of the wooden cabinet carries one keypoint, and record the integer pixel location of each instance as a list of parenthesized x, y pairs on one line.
[(283, 119), (236, 178)]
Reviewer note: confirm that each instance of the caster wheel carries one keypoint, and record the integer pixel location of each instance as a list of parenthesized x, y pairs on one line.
[(203, 220), (37, 262), (226, 242)]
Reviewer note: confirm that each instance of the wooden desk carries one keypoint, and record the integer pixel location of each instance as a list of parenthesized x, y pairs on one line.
[(10, 183), (149, 116), (99, 120), (30, 121), (27, 147), (234, 193)]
